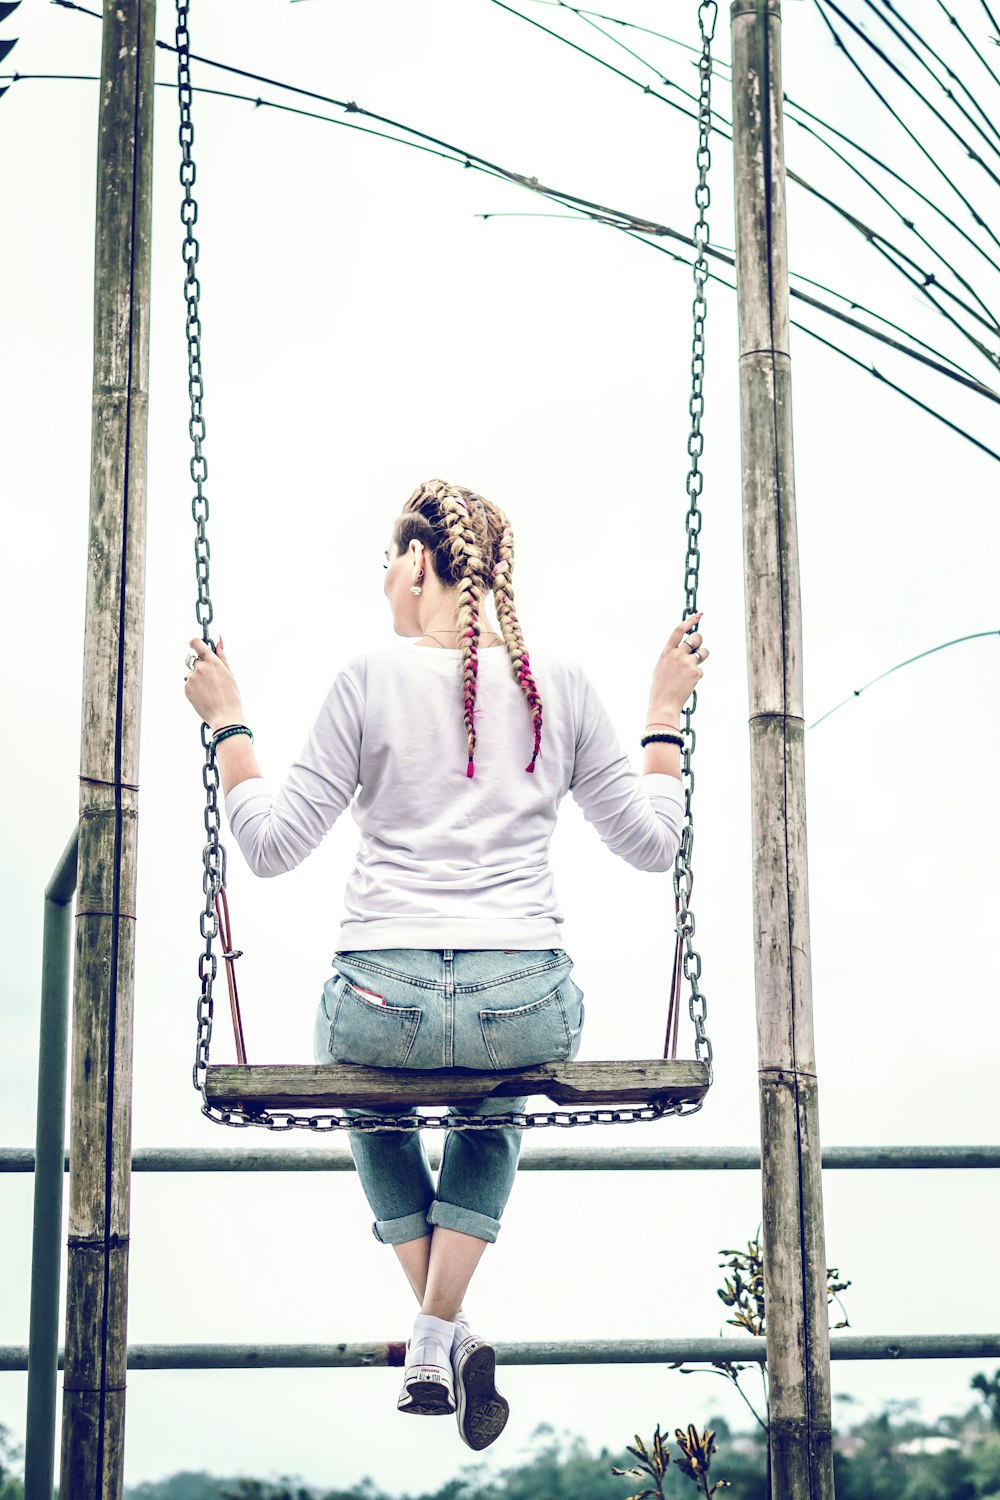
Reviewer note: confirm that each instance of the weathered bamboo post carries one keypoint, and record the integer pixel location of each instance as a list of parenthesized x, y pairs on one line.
[(93, 1425), (798, 1339)]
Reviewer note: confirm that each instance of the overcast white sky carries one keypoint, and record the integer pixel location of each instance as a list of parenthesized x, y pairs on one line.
[(364, 330)]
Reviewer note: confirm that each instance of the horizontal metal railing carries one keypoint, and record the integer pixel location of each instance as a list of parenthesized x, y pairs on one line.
[(542, 1158), (576, 1352)]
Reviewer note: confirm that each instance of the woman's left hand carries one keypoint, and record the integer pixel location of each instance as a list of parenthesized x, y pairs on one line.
[(211, 687)]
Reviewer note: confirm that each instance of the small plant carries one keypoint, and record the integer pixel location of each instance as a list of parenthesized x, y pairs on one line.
[(652, 1465), (694, 1461), (743, 1291)]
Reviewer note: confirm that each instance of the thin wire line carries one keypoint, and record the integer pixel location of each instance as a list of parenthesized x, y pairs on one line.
[(848, 140), (610, 217), (972, 46), (978, 636), (632, 26), (884, 379), (963, 377), (838, 39), (852, 302), (906, 222), (922, 61), (289, 109), (887, 249), (471, 158), (873, 237), (869, 369), (894, 67), (949, 70)]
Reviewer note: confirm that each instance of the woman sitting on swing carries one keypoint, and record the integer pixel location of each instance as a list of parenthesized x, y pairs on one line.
[(449, 953)]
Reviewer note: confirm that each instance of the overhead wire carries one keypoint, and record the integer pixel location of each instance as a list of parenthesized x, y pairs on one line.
[(614, 217), (908, 26), (928, 278), (631, 25), (818, 120), (958, 641), (968, 40), (472, 158), (903, 218), (842, 45), (871, 369), (938, 363), (923, 282), (874, 237), (908, 45)]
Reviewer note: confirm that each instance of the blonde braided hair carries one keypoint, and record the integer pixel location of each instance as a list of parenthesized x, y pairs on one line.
[(472, 545)]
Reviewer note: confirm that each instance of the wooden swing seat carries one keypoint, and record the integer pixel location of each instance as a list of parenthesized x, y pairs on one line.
[(341, 1085)]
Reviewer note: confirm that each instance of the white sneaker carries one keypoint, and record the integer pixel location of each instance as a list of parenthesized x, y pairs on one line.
[(428, 1389), (480, 1409)]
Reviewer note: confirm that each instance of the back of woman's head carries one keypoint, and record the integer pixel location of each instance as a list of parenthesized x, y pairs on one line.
[(471, 545)]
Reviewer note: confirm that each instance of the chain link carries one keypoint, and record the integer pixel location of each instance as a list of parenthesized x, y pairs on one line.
[(683, 878), (214, 853), (324, 1123)]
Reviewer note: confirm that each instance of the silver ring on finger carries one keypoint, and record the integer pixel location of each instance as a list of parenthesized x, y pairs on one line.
[(697, 657), (191, 660)]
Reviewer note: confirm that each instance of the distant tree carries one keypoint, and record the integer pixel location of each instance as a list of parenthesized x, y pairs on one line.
[(985, 1459), (988, 1387), (942, 1476), (11, 1454)]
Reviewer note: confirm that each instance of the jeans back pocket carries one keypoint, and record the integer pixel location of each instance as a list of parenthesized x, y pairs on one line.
[(367, 1030), (548, 1030)]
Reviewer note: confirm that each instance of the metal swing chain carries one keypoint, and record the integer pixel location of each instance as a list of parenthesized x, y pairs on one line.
[(683, 879), (214, 853)]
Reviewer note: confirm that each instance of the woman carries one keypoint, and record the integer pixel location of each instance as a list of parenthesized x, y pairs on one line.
[(450, 950)]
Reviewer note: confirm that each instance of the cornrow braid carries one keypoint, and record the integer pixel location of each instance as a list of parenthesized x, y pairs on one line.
[(472, 545), (468, 563), (510, 627)]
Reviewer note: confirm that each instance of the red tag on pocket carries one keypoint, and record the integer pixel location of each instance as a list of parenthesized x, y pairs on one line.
[(369, 995)]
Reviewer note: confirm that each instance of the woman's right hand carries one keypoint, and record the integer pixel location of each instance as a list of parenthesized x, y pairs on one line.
[(678, 671)]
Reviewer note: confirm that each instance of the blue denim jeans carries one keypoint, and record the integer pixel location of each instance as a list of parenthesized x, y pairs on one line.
[(485, 1009)]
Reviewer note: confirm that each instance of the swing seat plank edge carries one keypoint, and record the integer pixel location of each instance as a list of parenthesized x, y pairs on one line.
[(342, 1085)]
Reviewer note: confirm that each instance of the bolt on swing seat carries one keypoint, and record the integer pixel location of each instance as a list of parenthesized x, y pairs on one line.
[(284, 1097)]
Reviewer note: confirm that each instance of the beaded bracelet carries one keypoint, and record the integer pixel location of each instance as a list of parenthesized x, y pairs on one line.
[(661, 739), (228, 732)]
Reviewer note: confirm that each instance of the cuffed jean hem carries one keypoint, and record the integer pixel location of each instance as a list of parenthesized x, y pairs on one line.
[(396, 1231), (466, 1220)]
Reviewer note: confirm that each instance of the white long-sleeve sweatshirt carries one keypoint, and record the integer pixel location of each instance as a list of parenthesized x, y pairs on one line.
[(445, 860)]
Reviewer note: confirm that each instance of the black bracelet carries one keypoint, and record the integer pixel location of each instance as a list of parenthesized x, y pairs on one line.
[(661, 739)]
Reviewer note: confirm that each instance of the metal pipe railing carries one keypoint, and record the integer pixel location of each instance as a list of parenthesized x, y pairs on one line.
[(42, 1352), (541, 1158), (599, 1352)]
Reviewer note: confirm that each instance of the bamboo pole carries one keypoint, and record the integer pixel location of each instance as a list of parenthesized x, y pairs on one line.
[(798, 1338), (93, 1425)]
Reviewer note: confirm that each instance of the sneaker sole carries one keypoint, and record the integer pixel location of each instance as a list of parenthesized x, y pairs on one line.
[(426, 1398), (482, 1412)]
